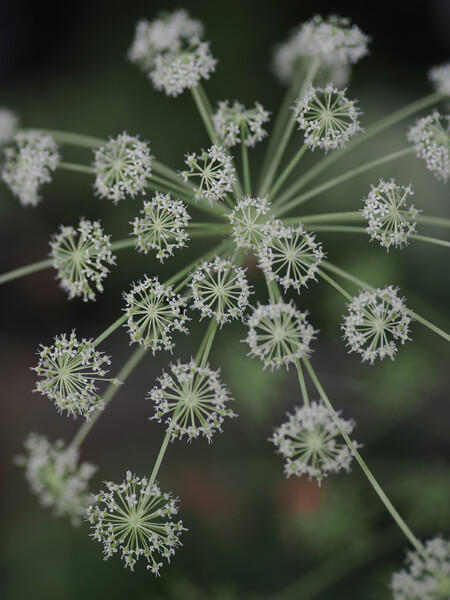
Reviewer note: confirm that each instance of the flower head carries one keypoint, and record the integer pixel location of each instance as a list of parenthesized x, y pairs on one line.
[(80, 256), (55, 476), (135, 518), (220, 290), (375, 321), (122, 167), (249, 222), (427, 577), (309, 441), (235, 123), (327, 117), (216, 173), (8, 123), (440, 77), (192, 399), (69, 372), (431, 138), (334, 41), (161, 35), (183, 67), (391, 221), (289, 255), (153, 312), (162, 227), (28, 163), (279, 334)]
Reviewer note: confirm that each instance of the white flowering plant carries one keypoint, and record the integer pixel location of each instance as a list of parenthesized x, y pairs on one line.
[(254, 212)]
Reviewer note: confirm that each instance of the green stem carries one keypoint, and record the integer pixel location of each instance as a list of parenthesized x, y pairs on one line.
[(335, 285), (74, 139), (111, 391), (280, 120), (357, 216), (281, 147), (245, 164), (27, 270), (165, 171), (204, 114), (66, 166), (362, 284), (178, 186), (350, 229), (374, 483), (288, 170), (205, 346), (161, 453), (302, 383), (123, 244), (374, 129), (335, 181), (120, 321)]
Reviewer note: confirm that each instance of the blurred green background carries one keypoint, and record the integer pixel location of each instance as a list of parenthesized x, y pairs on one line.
[(252, 534)]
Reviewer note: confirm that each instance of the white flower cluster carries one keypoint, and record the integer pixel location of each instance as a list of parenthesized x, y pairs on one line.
[(440, 77), (327, 117), (247, 219), (192, 399), (215, 170), (431, 138), (374, 322), (55, 476), (220, 290), (162, 227), (426, 578), (69, 372), (289, 255), (135, 518), (391, 221), (28, 163), (235, 123), (161, 35), (333, 41), (8, 123), (279, 334), (81, 262), (308, 441), (122, 167), (183, 68), (153, 312)]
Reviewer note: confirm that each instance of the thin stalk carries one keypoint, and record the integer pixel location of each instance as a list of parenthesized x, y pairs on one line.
[(289, 128), (111, 391), (335, 285), (374, 129), (357, 216), (120, 321), (74, 139), (301, 380), (205, 346), (280, 120), (362, 284), (245, 164), (280, 202), (199, 99), (123, 244), (367, 472), (161, 453), (66, 166), (287, 171), (164, 170), (178, 186), (27, 270), (351, 229)]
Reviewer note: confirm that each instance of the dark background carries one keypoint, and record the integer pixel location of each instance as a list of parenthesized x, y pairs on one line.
[(63, 66)]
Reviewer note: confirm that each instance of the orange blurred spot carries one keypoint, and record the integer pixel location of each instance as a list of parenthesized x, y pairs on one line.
[(299, 496)]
